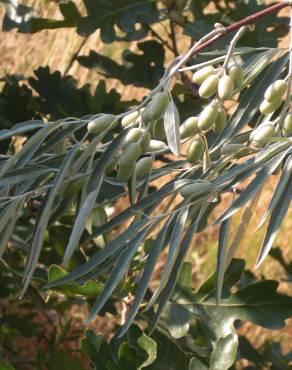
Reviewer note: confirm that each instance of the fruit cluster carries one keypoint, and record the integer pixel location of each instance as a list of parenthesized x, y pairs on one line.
[(146, 135)]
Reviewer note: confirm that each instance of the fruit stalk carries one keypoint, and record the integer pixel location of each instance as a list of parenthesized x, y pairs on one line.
[(232, 46)]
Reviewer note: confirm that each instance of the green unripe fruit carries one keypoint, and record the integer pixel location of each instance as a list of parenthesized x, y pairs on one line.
[(143, 167), (225, 87), (209, 86), (197, 188), (196, 150), (145, 141), (189, 127), (235, 71), (125, 172), (220, 122), (100, 216), (156, 145), (202, 74), (156, 107), (287, 125), (158, 131), (208, 117), (130, 155), (231, 148), (267, 107), (276, 91), (132, 136), (74, 186), (101, 123), (261, 135), (130, 119), (111, 167)]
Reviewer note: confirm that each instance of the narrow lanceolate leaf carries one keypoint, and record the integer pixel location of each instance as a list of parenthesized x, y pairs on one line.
[(242, 227), (118, 271), (253, 187), (277, 217), (44, 217), (153, 198), (7, 212), (169, 288), (173, 251), (98, 258), (22, 157), (147, 273), (20, 175), (278, 191), (171, 125), (221, 256), (93, 188), (21, 129), (11, 218), (80, 223), (104, 161)]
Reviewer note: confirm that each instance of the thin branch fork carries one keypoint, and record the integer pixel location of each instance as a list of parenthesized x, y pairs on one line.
[(243, 22), (222, 31)]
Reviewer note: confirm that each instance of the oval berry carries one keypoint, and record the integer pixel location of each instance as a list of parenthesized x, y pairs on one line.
[(268, 107), (130, 155), (189, 127), (202, 74), (235, 71), (287, 125), (262, 135), (225, 87), (209, 86), (220, 122), (276, 91), (208, 117), (196, 150), (156, 107), (143, 167), (101, 123)]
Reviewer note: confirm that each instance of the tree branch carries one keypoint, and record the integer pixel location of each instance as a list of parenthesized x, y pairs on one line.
[(243, 22)]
